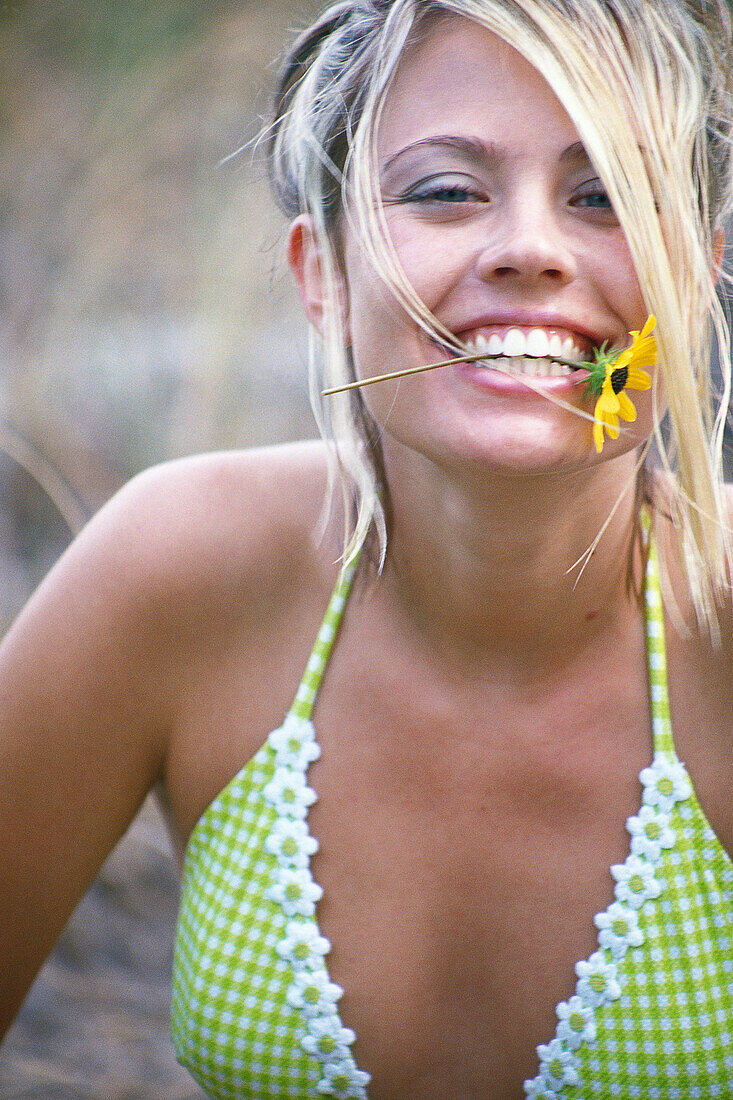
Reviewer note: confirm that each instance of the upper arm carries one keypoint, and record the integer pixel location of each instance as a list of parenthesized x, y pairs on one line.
[(82, 732)]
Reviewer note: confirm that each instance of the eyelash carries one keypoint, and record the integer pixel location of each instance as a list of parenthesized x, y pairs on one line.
[(431, 191), (598, 192)]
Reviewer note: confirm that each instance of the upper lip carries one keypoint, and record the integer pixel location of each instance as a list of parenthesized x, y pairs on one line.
[(526, 319)]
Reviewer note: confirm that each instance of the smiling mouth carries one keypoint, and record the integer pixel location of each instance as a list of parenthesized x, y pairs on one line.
[(536, 352), (518, 356)]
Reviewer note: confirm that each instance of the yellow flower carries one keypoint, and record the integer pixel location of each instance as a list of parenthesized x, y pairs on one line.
[(616, 372)]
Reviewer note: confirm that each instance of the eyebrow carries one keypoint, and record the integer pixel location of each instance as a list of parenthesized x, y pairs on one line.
[(486, 151)]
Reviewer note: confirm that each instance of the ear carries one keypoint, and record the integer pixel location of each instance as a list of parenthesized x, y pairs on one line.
[(304, 257), (718, 250)]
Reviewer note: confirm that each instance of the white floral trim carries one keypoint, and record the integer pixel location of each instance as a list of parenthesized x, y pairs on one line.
[(577, 1022), (314, 993), (343, 1080), (597, 981), (665, 783), (650, 832), (557, 1065), (296, 892), (289, 793), (295, 743), (619, 929), (303, 947), (327, 1039), (635, 881), (291, 843), (537, 1089)]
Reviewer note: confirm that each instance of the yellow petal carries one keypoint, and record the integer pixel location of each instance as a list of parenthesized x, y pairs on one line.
[(598, 436), (606, 418), (607, 404), (626, 407), (637, 379), (623, 359), (649, 324), (644, 353)]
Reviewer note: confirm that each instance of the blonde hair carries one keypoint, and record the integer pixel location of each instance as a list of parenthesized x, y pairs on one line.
[(663, 146)]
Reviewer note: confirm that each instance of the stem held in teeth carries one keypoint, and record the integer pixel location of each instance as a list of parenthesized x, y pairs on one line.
[(475, 358)]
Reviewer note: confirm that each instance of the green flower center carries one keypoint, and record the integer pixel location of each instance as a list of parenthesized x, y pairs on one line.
[(311, 994), (290, 846), (653, 830), (292, 891), (327, 1044), (340, 1081), (293, 744), (597, 983), (620, 926), (288, 794), (576, 1021), (636, 884), (556, 1068), (301, 951), (665, 786)]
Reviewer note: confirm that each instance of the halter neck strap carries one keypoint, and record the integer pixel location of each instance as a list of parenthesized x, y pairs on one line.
[(306, 694)]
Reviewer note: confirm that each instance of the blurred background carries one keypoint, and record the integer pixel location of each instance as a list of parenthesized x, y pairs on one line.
[(145, 313)]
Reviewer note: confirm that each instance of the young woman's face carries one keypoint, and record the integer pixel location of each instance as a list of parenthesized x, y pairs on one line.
[(500, 223)]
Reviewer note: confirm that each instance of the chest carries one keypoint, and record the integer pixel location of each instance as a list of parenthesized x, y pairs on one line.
[(466, 843), (450, 970), (460, 892)]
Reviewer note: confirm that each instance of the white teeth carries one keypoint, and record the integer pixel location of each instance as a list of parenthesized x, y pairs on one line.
[(555, 348), (532, 368), (538, 343), (535, 348), (568, 347), (515, 343)]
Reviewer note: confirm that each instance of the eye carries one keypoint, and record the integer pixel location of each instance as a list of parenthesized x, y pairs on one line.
[(449, 194), (593, 196), (598, 201), (445, 190)]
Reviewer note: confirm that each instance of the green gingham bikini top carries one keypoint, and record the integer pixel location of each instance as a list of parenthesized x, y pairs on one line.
[(255, 1014)]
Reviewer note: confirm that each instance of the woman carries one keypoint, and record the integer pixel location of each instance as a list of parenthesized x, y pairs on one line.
[(519, 887)]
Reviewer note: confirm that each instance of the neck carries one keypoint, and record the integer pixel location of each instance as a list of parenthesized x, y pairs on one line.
[(494, 566)]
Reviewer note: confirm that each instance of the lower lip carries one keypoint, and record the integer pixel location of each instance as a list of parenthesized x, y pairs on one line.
[(497, 381)]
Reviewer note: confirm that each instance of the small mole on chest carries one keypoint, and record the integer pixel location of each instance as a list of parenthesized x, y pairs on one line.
[(591, 615)]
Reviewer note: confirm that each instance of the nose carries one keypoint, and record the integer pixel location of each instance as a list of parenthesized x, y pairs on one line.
[(527, 245)]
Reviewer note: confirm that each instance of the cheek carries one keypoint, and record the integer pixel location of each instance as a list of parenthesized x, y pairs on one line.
[(375, 317), (431, 258), (616, 270)]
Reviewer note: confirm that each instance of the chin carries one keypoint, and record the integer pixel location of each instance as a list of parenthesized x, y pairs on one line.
[(531, 449)]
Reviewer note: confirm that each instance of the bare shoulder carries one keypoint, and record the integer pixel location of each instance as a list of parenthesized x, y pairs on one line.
[(232, 568), (182, 539), (210, 518)]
